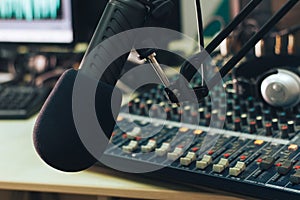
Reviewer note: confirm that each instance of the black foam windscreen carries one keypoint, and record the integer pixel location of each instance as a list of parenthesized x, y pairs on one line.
[(55, 135)]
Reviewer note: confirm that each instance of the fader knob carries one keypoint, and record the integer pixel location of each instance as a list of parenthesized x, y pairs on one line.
[(237, 124), (298, 120), (291, 126), (295, 178), (284, 132), (130, 107), (229, 117), (174, 109), (266, 163), (252, 127), (201, 113), (207, 119), (168, 112), (194, 117), (143, 110), (214, 114), (244, 119), (275, 124), (206, 160), (149, 103), (154, 112), (285, 167), (268, 127), (259, 121), (136, 103)]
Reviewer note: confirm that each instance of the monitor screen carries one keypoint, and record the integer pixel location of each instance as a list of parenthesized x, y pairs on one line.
[(36, 21)]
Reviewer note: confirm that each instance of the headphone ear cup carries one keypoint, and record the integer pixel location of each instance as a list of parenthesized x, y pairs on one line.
[(259, 81), (281, 89), (249, 75)]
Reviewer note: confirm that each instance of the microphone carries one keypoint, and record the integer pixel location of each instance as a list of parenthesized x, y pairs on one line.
[(55, 136)]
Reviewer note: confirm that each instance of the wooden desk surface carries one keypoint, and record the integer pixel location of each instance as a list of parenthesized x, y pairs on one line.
[(22, 169)]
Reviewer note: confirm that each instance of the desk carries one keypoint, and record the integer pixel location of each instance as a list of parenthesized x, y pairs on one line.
[(22, 170)]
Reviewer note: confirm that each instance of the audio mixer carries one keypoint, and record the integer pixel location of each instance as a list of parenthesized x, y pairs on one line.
[(240, 137), (255, 152)]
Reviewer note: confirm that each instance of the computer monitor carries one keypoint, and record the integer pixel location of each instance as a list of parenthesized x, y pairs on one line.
[(36, 21), (55, 21)]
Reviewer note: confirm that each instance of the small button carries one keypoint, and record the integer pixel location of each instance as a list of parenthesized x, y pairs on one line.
[(293, 147), (183, 130), (198, 132), (226, 155), (243, 157), (258, 142)]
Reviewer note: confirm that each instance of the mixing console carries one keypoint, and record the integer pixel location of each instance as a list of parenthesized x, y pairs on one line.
[(255, 152)]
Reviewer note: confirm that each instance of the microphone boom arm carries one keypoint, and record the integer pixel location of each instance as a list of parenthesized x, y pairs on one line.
[(203, 91)]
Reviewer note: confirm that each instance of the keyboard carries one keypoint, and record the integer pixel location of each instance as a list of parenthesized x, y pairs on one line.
[(21, 102)]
